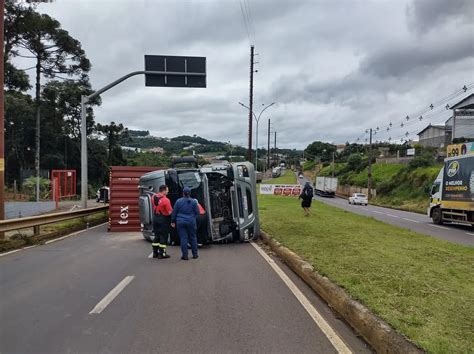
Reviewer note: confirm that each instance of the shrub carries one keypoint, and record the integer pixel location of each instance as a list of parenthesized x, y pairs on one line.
[(29, 188)]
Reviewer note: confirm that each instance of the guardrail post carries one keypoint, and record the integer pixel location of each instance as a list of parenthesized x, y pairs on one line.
[(36, 230)]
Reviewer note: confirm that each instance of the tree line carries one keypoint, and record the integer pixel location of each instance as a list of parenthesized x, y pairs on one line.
[(43, 115)]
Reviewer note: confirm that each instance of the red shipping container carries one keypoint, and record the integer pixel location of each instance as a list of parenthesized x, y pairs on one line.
[(124, 193)]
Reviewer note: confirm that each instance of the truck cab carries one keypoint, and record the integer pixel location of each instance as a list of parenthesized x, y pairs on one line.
[(227, 191), (452, 192)]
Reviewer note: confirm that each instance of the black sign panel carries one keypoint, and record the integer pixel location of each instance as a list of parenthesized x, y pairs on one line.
[(179, 66), (458, 179)]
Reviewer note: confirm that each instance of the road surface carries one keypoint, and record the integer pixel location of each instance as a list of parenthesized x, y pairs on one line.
[(420, 223), (100, 292)]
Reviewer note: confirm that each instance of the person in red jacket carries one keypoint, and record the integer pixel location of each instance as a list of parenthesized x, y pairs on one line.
[(161, 222), (201, 221)]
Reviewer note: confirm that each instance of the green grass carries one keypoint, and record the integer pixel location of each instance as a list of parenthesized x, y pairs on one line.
[(288, 178), (422, 286)]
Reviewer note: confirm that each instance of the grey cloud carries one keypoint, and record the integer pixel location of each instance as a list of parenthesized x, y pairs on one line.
[(402, 59), (331, 66), (425, 15)]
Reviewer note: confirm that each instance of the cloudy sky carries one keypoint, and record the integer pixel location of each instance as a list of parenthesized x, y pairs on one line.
[(334, 68)]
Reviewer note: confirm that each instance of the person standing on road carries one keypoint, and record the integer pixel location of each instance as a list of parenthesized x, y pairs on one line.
[(307, 197), (161, 222), (183, 218)]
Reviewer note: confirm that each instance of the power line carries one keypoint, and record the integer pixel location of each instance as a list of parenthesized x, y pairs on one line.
[(410, 121), (249, 16), (244, 18)]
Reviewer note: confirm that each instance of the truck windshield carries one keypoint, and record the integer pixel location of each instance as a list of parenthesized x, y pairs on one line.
[(189, 179)]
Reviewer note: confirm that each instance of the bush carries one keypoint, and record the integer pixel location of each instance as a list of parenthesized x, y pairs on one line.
[(29, 188), (424, 160)]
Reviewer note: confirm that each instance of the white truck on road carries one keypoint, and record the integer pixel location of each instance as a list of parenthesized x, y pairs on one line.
[(326, 186), (452, 193)]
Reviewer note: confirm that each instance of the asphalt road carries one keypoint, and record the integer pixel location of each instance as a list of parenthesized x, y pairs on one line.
[(57, 298), (420, 223)]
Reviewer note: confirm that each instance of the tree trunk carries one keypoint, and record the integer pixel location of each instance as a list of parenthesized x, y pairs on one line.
[(37, 133)]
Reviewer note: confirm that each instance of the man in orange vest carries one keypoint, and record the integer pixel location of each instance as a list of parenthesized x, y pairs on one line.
[(161, 222)]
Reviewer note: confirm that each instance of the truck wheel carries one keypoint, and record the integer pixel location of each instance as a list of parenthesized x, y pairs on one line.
[(437, 216)]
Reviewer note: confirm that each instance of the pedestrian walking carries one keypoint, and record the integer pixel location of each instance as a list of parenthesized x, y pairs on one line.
[(184, 216), (161, 222), (307, 197)]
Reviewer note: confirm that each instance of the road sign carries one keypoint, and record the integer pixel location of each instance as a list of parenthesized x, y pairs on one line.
[(183, 71), (410, 152)]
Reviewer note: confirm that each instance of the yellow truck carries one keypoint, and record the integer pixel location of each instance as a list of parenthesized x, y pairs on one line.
[(452, 193)]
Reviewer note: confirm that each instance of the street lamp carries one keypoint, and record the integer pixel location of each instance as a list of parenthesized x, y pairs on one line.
[(257, 119)]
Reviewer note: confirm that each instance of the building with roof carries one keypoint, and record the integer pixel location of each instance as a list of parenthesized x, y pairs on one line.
[(462, 121), (435, 135)]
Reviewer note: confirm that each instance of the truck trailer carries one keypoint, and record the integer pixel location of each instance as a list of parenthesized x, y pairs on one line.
[(452, 193), (326, 186), (227, 191)]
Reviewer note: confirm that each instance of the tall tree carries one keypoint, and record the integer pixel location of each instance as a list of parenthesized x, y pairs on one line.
[(55, 53), (114, 133)]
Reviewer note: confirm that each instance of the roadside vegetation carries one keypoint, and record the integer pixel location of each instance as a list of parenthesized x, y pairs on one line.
[(288, 177), (400, 186), (421, 286)]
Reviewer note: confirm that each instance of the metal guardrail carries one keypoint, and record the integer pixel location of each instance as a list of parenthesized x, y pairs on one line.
[(35, 221)]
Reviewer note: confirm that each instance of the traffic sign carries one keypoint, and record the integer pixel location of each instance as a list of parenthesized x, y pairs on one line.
[(175, 71)]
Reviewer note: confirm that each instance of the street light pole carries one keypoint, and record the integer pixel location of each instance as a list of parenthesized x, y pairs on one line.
[(257, 119)]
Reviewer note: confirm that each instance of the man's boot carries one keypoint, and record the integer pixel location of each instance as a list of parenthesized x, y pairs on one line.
[(162, 253), (155, 251)]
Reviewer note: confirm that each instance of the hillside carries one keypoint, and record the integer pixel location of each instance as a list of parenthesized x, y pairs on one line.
[(398, 185)]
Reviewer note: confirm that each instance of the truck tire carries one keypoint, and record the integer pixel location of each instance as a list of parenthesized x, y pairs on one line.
[(437, 216)]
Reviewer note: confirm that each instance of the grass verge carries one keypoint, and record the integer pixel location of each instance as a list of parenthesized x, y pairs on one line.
[(421, 286), (47, 232), (288, 178)]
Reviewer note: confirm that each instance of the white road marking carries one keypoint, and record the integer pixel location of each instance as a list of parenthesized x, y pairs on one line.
[(439, 227), (10, 252), (150, 255), (111, 295), (73, 234), (469, 233), (411, 220), (365, 209), (378, 212), (393, 216), (335, 340)]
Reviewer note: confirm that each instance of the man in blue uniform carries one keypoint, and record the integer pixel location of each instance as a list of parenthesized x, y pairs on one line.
[(184, 216)]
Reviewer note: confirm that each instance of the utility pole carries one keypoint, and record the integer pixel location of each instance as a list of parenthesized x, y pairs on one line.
[(268, 150), (333, 164), (275, 149), (369, 169), (249, 152), (2, 131)]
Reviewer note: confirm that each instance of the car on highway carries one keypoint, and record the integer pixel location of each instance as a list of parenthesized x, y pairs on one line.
[(358, 198)]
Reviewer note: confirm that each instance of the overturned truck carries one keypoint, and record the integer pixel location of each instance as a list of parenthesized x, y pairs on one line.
[(227, 191)]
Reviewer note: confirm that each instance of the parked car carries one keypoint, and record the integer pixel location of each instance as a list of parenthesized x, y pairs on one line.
[(358, 198), (259, 176)]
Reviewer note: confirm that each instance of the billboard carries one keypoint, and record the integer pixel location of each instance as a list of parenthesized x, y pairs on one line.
[(460, 149), (458, 180), (281, 189)]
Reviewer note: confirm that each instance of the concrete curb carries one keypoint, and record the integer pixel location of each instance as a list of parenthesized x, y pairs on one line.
[(374, 330)]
